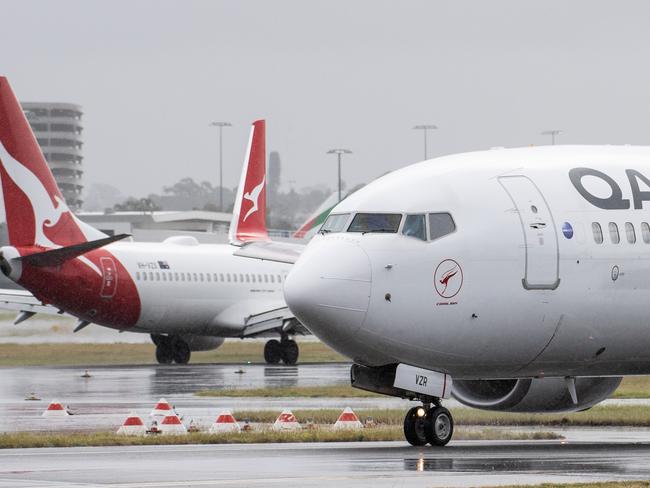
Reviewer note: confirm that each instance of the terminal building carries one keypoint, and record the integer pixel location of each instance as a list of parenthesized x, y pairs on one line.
[(58, 129)]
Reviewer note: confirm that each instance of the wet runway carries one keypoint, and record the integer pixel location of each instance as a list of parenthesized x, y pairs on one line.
[(102, 401), (385, 464)]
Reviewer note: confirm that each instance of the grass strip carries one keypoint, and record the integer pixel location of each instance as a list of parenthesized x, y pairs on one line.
[(633, 387), (233, 351), (391, 433), (602, 416)]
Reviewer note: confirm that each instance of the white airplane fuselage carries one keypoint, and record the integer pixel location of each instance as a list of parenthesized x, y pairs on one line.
[(533, 293), (197, 286)]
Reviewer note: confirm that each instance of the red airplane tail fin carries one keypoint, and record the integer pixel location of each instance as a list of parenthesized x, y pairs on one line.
[(36, 212), (249, 213)]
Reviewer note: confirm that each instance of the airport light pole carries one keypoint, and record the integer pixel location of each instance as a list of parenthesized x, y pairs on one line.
[(552, 133), (339, 152), (425, 128), (221, 125)]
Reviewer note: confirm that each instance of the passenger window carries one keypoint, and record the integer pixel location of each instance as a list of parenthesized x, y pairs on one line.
[(157, 276), (415, 226), (208, 277), (266, 278), (335, 223), (614, 236), (440, 224), (248, 278), (182, 276), (629, 233), (201, 276), (598, 232), (645, 232), (220, 277), (150, 275), (144, 276), (371, 222), (253, 278), (196, 278), (175, 276), (272, 279), (241, 278), (137, 275), (164, 277)]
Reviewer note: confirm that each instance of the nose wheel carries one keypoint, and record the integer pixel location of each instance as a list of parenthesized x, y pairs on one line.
[(428, 425)]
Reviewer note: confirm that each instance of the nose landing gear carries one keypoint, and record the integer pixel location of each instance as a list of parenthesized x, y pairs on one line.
[(428, 424)]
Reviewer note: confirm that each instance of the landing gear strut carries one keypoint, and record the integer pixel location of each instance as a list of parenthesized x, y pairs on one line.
[(171, 349), (285, 350), (428, 424)]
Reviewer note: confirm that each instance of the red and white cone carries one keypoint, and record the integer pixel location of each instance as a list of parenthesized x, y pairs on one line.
[(162, 409), (348, 420), (172, 425), (133, 425), (55, 409), (286, 421), (225, 423)]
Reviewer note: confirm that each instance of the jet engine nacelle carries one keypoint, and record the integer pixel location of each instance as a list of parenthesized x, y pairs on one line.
[(533, 395), (202, 343)]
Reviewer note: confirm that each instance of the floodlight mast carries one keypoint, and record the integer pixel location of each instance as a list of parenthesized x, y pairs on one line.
[(338, 153), (552, 133), (221, 125), (425, 128)]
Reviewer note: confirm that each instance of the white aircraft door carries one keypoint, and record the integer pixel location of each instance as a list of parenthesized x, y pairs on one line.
[(540, 236)]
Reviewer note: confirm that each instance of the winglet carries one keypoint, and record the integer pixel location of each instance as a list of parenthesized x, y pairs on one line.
[(249, 212)]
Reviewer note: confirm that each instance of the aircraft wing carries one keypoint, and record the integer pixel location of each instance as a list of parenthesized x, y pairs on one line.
[(24, 301), (281, 252)]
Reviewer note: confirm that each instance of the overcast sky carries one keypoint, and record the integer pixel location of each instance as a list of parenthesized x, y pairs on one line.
[(151, 75)]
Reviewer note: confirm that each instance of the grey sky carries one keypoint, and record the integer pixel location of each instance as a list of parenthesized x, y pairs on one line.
[(151, 75)]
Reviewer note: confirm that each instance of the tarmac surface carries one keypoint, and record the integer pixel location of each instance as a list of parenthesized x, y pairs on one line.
[(377, 465), (102, 401)]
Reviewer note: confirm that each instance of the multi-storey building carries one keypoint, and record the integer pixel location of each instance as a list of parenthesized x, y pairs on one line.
[(58, 129)]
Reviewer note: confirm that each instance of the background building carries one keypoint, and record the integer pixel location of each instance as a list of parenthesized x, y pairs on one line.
[(58, 129)]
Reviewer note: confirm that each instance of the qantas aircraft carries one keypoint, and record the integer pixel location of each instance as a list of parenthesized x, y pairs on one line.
[(512, 279), (188, 296)]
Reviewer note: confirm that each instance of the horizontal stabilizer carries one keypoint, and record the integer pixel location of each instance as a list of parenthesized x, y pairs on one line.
[(281, 252), (56, 257)]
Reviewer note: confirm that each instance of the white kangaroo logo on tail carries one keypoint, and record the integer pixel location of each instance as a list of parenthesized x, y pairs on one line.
[(46, 214), (253, 196)]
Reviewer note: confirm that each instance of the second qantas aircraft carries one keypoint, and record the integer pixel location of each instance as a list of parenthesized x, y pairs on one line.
[(188, 296)]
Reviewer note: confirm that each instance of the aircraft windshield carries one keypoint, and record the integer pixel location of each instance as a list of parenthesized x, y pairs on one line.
[(372, 222), (335, 223)]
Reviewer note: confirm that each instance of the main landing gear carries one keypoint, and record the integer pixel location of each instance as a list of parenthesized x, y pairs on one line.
[(428, 424), (171, 349), (285, 350)]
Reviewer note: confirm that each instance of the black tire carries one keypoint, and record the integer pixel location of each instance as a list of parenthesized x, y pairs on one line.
[(164, 353), (181, 351), (439, 426), (157, 339), (272, 352), (290, 352), (415, 427)]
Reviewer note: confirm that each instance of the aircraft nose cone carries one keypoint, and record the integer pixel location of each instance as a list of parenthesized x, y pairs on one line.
[(328, 289)]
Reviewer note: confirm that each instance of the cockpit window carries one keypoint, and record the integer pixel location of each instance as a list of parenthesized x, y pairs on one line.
[(440, 224), (335, 223), (415, 226), (372, 222)]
